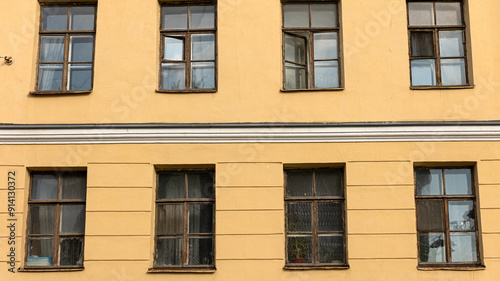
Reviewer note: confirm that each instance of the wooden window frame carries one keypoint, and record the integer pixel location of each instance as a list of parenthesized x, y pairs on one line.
[(314, 200), (435, 29), (186, 33)]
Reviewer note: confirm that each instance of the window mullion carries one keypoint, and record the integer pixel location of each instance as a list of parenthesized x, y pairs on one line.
[(55, 241), (447, 232), (65, 63), (187, 59), (184, 236), (315, 239)]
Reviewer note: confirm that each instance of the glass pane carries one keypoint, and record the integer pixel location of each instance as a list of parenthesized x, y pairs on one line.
[(429, 181), (451, 43), (74, 186), (174, 48), (80, 77), (200, 218), (71, 251), (203, 75), (323, 15), (203, 47), (50, 77), (423, 72), (331, 248), (299, 217), (168, 251), (81, 48), (81, 18), (329, 183), (201, 17), (299, 249), (42, 219), (448, 14), (55, 18), (458, 181), (421, 13), (326, 74), (453, 72), (52, 49), (296, 15), (171, 186), (170, 219), (174, 17), (422, 43), (430, 215), (200, 251), (299, 184), (173, 76), (295, 49), (200, 185), (295, 76), (330, 216), (73, 219), (40, 252), (463, 247), (325, 46), (44, 187), (432, 247), (462, 215)]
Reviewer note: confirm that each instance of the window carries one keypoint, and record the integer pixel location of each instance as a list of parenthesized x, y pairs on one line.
[(66, 50), (188, 48), (56, 219), (438, 44), (185, 219), (315, 217), (447, 215), (311, 40)]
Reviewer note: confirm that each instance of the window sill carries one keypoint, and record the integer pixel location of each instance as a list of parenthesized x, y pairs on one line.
[(42, 93), (312, 267), (452, 268), (440, 88), (208, 270), (202, 91), (49, 269), (311, 90)]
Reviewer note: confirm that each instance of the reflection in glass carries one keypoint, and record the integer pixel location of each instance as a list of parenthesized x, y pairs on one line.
[(200, 251), (451, 43), (326, 74), (330, 216), (463, 247), (323, 15), (461, 215), (52, 49), (200, 218), (423, 72), (81, 18), (73, 219), (42, 219), (458, 181), (325, 46), (203, 75), (329, 183), (50, 77), (295, 49), (429, 182), (81, 48), (170, 219), (55, 18), (331, 248), (200, 185), (430, 215), (422, 43), (44, 187), (173, 76), (299, 249), (421, 14), (74, 186), (201, 17), (39, 252), (432, 247), (299, 217), (174, 17), (453, 72), (168, 251), (71, 251), (299, 183), (296, 15), (203, 47), (448, 13), (171, 186), (80, 77), (174, 48), (295, 76)]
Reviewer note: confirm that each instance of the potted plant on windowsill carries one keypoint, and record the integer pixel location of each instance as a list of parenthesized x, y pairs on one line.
[(297, 250)]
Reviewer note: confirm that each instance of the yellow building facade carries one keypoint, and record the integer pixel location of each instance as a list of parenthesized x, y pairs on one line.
[(251, 129)]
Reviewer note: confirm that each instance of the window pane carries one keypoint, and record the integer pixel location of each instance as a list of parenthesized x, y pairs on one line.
[(73, 219), (42, 219), (331, 248), (39, 252), (170, 219), (299, 217), (422, 43), (171, 186), (329, 183), (323, 15), (203, 75), (451, 43), (200, 185), (299, 249), (326, 74), (458, 181), (200, 251), (81, 48), (463, 247), (325, 46), (330, 216), (52, 49), (299, 184), (168, 251), (203, 47), (81, 18), (295, 76), (80, 77), (173, 76), (429, 182), (175, 17), (55, 18), (423, 72), (462, 215), (174, 48), (74, 186), (295, 49), (453, 72), (71, 251), (432, 247), (200, 218), (430, 215), (201, 17), (296, 15), (448, 14), (421, 13), (44, 187), (50, 77)]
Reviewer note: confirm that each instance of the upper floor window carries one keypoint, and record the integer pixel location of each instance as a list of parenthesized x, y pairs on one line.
[(311, 40), (188, 48), (438, 44), (66, 50)]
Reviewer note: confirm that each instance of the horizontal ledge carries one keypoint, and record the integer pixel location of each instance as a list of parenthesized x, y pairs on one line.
[(251, 259), (182, 270), (118, 163), (451, 268), (249, 210), (61, 93), (51, 269), (440, 88), (249, 234), (180, 92), (305, 267), (311, 90)]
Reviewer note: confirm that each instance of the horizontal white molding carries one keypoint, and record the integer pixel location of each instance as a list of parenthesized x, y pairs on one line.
[(248, 133)]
